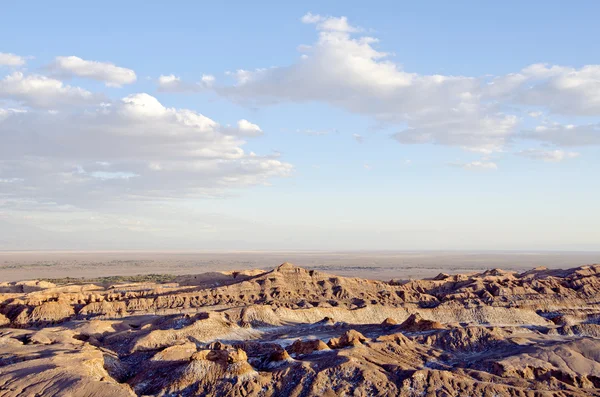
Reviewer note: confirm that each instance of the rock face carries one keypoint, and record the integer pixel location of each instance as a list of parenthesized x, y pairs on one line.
[(348, 339), (47, 313), (415, 323), (307, 347), (258, 333)]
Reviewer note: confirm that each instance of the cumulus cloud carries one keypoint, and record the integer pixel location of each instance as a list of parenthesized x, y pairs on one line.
[(344, 67), (248, 129), (109, 73), (8, 59), (553, 156), (561, 90), (43, 92), (134, 148), (358, 138), (351, 73), (243, 128)]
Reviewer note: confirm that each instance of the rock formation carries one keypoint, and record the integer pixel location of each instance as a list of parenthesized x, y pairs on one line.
[(297, 332)]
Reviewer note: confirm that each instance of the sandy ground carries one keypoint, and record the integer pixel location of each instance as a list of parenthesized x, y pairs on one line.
[(387, 265)]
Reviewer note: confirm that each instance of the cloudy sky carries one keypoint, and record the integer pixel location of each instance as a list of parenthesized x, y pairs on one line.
[(300, 125)]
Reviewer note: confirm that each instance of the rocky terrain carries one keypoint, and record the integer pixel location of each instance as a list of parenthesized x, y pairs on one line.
[(297, 332)]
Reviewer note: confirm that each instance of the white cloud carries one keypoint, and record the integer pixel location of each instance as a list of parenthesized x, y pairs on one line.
[(345, 68), (168, 80), (246, 128), (566, 90), (477, 165), (8, 59), (349, 72), (553, 156), (172, 83), (113, 175), (358, 138), (41, 91), (473, 132), (560, 89), (310, 18), (243, 128), (568, 135), (332, 24), (208, 79), (135, 148), (109, 73)]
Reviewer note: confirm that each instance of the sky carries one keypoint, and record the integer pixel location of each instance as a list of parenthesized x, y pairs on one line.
[(314, 125)]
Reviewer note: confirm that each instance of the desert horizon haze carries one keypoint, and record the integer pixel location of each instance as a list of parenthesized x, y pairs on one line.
[(412, 126), (299, 199), (377, 265)]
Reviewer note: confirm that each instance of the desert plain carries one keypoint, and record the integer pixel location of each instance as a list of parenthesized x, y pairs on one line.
[(382, 325), (378, 265)]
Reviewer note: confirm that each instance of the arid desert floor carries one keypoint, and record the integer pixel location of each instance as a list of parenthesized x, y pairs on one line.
[(297, 331), (379, 265)]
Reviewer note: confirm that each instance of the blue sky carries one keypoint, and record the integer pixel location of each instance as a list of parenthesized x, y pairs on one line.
[(299, 125)]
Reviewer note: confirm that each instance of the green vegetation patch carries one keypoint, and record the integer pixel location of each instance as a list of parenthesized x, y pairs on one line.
[(139, 278)]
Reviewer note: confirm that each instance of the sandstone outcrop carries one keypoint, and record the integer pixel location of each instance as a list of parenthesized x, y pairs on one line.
[(307, 347)]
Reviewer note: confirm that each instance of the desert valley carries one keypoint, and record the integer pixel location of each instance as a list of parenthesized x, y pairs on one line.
[(297, 332)]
